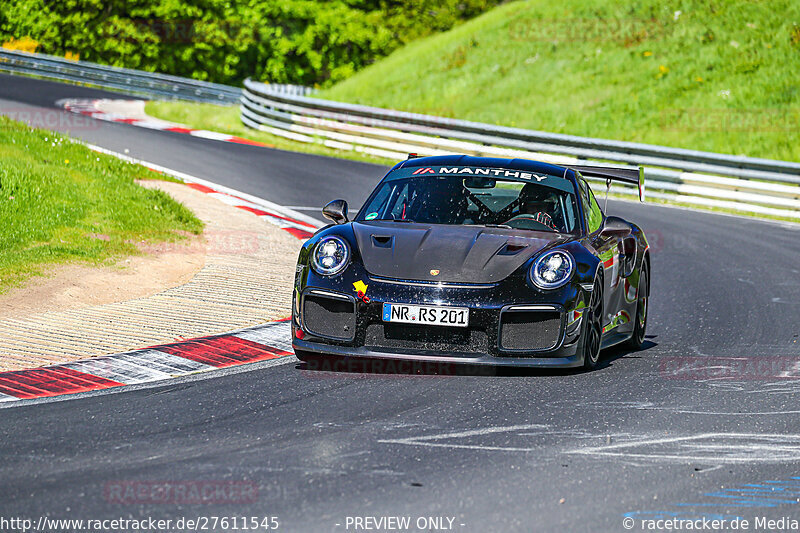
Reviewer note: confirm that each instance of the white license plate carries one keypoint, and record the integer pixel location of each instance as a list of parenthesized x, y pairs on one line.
[(433, 315)]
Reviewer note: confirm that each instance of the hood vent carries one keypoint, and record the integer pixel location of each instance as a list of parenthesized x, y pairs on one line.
[(511, 249), (382, 241), (456, 254)]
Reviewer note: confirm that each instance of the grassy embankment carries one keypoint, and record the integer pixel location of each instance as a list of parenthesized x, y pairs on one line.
[(63, 203), (704, 75)]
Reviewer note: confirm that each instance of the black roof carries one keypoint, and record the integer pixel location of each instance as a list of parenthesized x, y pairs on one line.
[(536, 167)]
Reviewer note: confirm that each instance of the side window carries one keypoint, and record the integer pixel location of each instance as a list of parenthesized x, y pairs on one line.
[(400, 202), (379, 203), (592, 211), (568, 208)]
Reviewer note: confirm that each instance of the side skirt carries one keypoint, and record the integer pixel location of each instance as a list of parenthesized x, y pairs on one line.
[(612, 339)]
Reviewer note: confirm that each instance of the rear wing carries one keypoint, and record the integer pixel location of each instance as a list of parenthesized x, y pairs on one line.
[(632, 176)]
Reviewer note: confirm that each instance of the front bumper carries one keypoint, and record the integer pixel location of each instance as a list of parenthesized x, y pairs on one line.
[(487, 306)]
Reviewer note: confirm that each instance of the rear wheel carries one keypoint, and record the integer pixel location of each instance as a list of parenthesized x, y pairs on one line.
[(642, 297), (593, 332)]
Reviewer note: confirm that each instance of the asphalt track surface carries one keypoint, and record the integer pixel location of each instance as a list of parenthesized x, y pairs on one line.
[(519, 451)]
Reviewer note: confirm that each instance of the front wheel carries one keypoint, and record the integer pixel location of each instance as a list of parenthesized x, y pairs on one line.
[(593, 329), (642, 297)]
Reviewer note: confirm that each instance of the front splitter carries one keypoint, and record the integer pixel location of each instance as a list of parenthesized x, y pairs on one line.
[(319, 349)]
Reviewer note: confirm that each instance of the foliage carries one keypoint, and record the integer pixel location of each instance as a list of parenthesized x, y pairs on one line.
[(281, 41), (26, 44)]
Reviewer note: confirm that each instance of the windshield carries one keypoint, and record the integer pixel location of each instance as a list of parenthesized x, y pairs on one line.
[(474, 201)]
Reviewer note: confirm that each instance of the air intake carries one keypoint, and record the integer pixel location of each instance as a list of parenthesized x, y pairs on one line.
[(329, 315), (530, 331)]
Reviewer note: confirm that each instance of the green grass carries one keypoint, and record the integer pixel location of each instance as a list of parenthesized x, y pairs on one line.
[(62, 203), (225, 119), (710, 75)]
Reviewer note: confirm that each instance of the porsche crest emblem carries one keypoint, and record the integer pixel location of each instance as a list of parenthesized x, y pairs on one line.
[(434, 272)]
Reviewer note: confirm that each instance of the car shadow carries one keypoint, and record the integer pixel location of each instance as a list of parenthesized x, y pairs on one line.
[(611, 355), (388, 367)]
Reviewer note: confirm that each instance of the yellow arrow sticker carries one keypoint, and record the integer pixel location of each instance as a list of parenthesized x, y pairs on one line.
[(360, 287)]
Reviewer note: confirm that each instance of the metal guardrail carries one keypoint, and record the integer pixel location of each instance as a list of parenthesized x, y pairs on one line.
[(147, 84), (762, 186), (137, 82)]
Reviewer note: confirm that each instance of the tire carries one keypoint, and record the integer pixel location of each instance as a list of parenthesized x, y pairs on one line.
[(642, 304), (593, 328)]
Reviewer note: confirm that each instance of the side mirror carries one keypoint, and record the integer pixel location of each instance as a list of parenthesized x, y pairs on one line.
[(336, 211), (615, 227)]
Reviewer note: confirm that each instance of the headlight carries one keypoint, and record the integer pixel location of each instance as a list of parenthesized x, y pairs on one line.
[(330, 256), (552, 270)]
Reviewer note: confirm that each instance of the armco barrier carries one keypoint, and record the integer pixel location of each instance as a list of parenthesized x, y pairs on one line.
[(707, 179), (138, 82)]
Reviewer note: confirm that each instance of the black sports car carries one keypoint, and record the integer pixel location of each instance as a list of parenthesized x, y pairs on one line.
[(475, 260)]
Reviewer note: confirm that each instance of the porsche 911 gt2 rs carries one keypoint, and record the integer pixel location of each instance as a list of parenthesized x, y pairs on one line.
[(474, 260)]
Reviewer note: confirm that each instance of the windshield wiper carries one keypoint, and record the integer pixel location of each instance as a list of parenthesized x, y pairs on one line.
[(504, 226)]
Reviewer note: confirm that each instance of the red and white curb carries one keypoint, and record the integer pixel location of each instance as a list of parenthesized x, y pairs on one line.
[(94, 109), (260, 343), (301, 230), (298, 224), (157, 363), (132, 112)]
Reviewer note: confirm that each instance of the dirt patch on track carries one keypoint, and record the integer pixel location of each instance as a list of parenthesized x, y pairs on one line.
[(76, 286)]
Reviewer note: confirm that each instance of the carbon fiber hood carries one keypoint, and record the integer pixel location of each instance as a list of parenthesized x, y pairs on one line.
[(461, 254)]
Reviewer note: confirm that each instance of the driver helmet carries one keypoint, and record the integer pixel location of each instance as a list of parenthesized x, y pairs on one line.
[(535, 199)]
